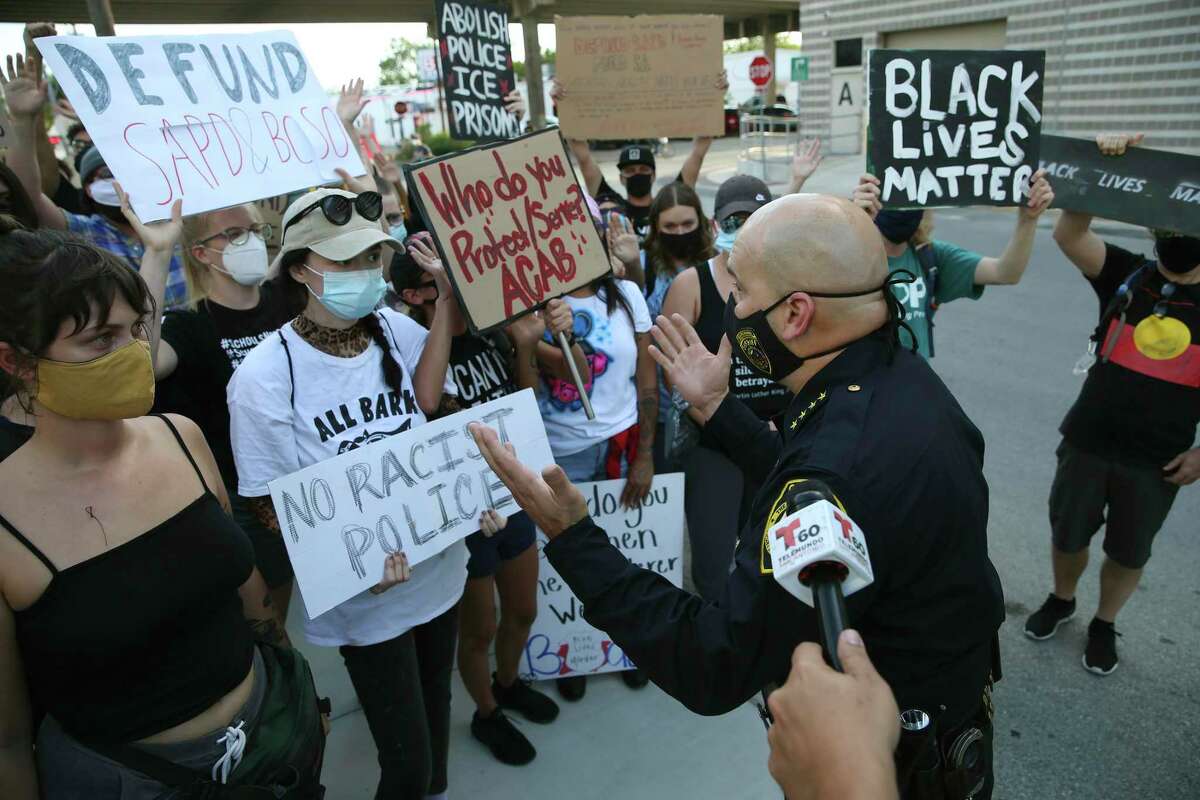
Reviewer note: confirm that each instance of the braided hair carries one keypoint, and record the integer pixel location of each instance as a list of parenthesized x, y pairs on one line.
[(297, 295)]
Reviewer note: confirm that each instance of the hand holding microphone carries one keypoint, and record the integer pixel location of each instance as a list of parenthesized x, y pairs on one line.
[(819, 555)]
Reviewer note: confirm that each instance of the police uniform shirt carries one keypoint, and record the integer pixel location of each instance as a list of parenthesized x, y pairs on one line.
[(905, 462)]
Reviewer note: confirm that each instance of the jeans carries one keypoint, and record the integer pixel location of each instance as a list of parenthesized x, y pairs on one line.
[(588, 464), (404, 687)]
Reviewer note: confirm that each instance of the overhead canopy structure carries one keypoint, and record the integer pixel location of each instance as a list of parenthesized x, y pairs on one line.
[(742, 17)]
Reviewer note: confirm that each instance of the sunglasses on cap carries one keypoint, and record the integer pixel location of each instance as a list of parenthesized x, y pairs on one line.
[(733, 223), (338, 209)]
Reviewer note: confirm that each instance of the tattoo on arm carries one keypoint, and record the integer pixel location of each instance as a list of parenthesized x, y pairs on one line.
[(264, 511), (647, 416), (269, 630)]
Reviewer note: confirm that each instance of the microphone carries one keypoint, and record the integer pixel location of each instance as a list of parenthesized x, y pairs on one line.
[(819, 555)]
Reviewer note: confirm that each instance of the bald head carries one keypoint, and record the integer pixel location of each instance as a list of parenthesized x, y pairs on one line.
[(810, 242)]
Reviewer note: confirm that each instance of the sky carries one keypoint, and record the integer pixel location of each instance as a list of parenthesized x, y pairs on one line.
[(337, 52)]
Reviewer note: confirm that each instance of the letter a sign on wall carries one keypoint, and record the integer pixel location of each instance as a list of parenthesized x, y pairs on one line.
[(216, 120)]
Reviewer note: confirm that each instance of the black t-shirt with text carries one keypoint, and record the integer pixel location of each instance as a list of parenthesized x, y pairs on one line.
[(211, 342), (1141, 403), (481, 370)]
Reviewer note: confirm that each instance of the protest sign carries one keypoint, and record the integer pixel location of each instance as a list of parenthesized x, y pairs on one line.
[(954, 127), (1147, 187), (477, 69), (511, 224), (640, 77), (216, 120), (427, 68), (561, 643), (418, 492)]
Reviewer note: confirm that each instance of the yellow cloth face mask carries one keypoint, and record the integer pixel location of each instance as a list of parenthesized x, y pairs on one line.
[(119, 385), (1161, 338)]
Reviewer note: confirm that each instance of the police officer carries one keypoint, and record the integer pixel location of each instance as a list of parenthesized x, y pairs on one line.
[(812, 309)]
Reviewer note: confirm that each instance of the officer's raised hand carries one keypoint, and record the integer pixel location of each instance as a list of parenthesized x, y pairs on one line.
[(702, 377), (551, 501)]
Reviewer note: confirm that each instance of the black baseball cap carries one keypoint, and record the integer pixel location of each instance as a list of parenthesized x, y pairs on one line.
[(740, 193), (636, 154)]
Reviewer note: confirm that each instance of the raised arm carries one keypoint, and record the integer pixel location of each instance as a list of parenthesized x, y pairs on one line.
[(690, 172), (592, 177), (160, 240), (1010, 266), (1073, 232), (47, 162), (429, 378), (25, 94)]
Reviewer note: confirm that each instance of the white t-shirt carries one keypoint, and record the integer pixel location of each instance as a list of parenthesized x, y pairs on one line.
[(340, 404), (611, 348)]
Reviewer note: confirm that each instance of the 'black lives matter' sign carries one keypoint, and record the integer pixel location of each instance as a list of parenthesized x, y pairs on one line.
[(477, 69), (1142, 187), (954, 127)]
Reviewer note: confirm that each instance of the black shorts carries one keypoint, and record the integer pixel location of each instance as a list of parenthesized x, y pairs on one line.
[(270, 553), (1130, 500), (488, 552)]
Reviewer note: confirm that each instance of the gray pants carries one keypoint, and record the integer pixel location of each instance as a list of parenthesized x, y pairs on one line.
[(712, 500), (69, 769)]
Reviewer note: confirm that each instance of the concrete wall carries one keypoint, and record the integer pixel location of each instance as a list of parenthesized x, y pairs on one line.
[(1111, 64)]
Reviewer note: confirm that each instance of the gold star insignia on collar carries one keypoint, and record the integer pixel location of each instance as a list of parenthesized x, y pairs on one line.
[(795, 423), (821, 396)]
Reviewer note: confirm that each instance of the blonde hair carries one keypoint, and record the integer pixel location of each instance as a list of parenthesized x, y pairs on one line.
[(195, 272)]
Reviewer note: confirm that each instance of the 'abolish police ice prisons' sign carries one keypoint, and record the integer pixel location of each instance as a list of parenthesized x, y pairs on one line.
[(954, 127)]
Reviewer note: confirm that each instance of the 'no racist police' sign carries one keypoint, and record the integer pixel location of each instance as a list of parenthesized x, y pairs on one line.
[(954, 127)]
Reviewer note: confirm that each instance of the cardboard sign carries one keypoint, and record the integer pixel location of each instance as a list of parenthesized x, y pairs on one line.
[(511, 224), (419, 491), (477, 69), (954, 127), (561, 643), (1154, 188), (217, 120), (640, 77)]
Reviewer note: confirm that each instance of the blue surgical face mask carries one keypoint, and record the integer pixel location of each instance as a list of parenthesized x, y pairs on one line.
[(398, 232), (724, 241), (350, 295)]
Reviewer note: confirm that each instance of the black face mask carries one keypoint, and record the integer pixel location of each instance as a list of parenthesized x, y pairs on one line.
[(767, 356), (1178, 254), (682, 246), (898, 226), (639, 185)]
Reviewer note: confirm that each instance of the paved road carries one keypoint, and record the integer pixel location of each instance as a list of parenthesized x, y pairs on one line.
[(1060, 732)]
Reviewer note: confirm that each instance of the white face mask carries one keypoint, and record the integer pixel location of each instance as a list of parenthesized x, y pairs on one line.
[(104, 192), (246, 263)]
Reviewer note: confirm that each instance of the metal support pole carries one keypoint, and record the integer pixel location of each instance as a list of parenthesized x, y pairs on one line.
[(102, 17), (533, 74)]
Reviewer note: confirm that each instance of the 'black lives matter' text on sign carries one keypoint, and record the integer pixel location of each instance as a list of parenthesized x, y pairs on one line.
[(1142, 187), (477, 69), (954, 127)]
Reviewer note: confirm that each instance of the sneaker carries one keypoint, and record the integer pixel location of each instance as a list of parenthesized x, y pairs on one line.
[(522, 697), (499, 735), (572, 688), (1044, 622), (1100, 656), (635, 678)]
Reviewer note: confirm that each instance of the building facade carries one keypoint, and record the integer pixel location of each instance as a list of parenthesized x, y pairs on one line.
[(1111, 65)]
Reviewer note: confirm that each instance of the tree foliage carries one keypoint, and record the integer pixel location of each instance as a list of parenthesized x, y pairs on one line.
[(548, 57), (755, 44), (400, 66)]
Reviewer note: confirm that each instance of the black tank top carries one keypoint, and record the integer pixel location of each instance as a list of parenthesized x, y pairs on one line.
[(766, 399), (146, 635)]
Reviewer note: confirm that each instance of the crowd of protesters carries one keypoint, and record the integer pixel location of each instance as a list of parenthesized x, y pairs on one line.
[(156, 377)]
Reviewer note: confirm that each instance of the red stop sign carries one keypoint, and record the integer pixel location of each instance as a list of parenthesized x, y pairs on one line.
[(760, 71), (401, 107)]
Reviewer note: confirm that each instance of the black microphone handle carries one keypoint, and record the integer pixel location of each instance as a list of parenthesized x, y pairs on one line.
[(831, 611)]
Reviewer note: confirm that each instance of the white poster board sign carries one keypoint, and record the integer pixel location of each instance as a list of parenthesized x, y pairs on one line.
[(561, 644), (419, 491), (216, 120)]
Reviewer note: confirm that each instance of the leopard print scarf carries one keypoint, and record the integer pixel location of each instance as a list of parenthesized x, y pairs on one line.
[(340, 342)]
